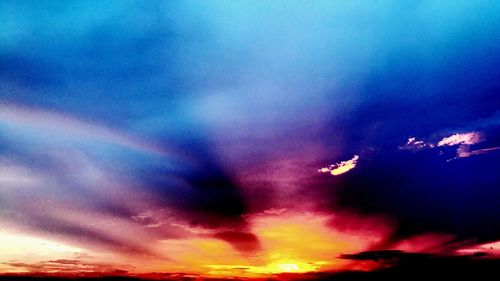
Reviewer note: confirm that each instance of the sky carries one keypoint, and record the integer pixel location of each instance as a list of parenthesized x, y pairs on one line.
[(246, 138)]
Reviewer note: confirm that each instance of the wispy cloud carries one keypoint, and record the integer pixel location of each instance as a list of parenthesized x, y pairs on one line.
[(71, 267), (490, 248), (18, 176), (57, 125), (464, 151), (464, 141), (461, 138), (424, 243), (414, 144), (456, 139)]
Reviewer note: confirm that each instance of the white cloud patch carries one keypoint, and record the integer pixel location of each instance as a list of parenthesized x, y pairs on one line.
[(341, 167), (461, 139), (464, 141), (414, 144)]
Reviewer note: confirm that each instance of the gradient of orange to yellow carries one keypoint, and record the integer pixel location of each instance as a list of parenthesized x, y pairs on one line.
[(290, 243)]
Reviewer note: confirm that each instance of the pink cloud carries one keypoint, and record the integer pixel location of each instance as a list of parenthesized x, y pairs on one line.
[(464, 151), (491, 248), (461, 138), (424, 243)]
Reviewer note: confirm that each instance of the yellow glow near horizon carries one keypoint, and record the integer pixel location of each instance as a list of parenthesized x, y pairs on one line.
[(28, 249), (285, 266), (288, 267), (15, 244), (290, 243)]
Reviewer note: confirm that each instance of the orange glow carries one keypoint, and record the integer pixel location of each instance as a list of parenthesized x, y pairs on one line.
[(291, 243)]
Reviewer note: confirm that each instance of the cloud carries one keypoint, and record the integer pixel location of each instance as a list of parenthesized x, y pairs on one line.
[(252, 99), (490, 248), (461, 138), (242, 241), (93, 231), (85, 201), (413, 266), (464, 151), (383, 255), (341, 167), (414, 144), (57, 125), (456, 139), (425, 243), (464, 141), (204, 195), (70, 267), (95, 190), (401, 265), (12, 176)]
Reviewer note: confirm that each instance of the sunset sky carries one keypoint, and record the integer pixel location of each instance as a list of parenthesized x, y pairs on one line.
[(246, 138)]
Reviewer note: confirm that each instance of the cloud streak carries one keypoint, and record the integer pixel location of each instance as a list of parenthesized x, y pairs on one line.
[(464, 141), (50, 124)]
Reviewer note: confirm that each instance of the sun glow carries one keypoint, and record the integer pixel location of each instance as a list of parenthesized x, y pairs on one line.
[(13, 244), (284, 266), (289, 266), (289, 243)]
